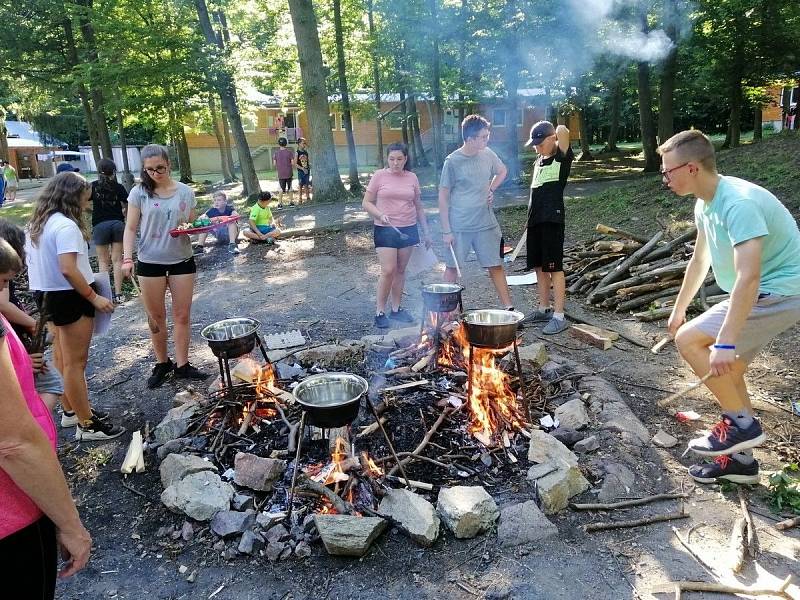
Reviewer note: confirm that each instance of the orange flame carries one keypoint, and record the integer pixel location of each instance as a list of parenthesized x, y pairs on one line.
[(453, 352), (373, 470), (492, 403), (265, 380)]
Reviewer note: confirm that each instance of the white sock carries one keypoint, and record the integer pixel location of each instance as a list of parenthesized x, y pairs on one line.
[(559, 316)]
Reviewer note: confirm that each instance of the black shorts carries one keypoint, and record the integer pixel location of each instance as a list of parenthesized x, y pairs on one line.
[(185, 267), (65, 307), (303, 179), (546, 247), (386, 237), (286, 184), (108, 232), (29, 559)]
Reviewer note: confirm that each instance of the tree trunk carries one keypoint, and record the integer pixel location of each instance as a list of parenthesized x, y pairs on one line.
[(438, 151), (4, 154), (412, 149), (463, 37), (226, 136), (666, 93), (614, 113), (416, 137), (586, 151), (183, 154), (758, 131), (223, 82), (404, 122), (376, 80), (355, 184), (646, 124), (215, 125), (127, 177), (736, 110), (324, 168), (83, 94)]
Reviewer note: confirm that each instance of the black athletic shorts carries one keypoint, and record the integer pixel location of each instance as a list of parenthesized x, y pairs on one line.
[(185, 267), (386, 237), (546, 247), (65, 307), (286, 184), (29, 561)]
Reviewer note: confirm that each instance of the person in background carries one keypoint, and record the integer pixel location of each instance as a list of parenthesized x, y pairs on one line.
[(47, 378), (65, 167), (303, 169), (38, 514), (751, 242), (2, 184), (470, 176), (393, 199), (225, 234), (263, 228), (12, 181), (109, 202), (58, 265), (155, 206), (284, 163), (545, 241)]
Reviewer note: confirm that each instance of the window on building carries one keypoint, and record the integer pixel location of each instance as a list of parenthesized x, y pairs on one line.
[(498, 117), (248, 122), (332, 119)]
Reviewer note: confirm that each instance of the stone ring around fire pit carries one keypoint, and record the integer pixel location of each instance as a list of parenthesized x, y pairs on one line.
[(232, 337), (331, 399), (491, 328)]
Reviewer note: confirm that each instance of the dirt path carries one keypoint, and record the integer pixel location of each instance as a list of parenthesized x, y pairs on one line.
[(325, 287)]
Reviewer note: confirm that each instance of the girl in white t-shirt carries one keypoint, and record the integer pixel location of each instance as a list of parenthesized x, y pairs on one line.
[(58, 265)]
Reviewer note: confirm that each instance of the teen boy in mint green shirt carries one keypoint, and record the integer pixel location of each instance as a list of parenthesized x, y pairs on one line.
[(752, 243)]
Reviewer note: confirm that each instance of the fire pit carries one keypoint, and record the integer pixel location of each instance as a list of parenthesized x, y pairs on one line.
[(232, 338)]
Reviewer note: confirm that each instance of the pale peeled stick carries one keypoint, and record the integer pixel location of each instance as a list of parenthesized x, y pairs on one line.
[(134, 457)]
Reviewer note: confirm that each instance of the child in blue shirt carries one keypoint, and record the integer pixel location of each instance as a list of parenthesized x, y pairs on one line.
[(225, 234)]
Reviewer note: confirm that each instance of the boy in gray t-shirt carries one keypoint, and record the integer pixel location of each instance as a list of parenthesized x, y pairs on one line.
[(470, 176)]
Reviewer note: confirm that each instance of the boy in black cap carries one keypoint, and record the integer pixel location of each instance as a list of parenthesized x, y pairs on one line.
[(546, 221)]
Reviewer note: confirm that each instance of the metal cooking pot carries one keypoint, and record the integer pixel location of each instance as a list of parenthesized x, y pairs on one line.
[(442, 297), (491, 328), (231, 338), (331, 399)]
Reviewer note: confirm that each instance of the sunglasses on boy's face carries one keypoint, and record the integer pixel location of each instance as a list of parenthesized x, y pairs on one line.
[(160, 169)]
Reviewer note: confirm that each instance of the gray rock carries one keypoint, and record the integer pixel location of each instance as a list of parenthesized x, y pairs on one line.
[(533, 354), (242, 501), (346, 535), (402, 337), (615, 415), (332, 355), (552, 370), (568, 437), (545, 448), (590, 444), (232, 522), (229, 554), (177, 466), (250, 543), (274, 551), (664, 440), (277, 533), (618, 483), (556, 487), (572, 414), (172, 447), (267, 520), (287, 371), (302, 550), (187, 532), (523, 524), (175, 423), (467, 510), (184, 396), (257, 473), (414, 513), (198, 495)]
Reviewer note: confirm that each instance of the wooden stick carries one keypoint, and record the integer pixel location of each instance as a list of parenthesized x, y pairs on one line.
[(423, 362), (788, 523), (677, 395), (404, 386), (455, 260), (634, 522), (660, 344), (447, 412), (737, 544), (709, 569), (606, 230), (342, 507), (420, 485), (573, 317), (628, 503), (702, 586), (622, 268), (752, 534), (248, 418), (371, 428)]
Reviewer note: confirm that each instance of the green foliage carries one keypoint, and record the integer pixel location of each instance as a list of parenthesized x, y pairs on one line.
[(784, 489)]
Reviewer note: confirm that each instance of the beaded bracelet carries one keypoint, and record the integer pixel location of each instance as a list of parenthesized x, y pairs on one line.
[(724, 347)]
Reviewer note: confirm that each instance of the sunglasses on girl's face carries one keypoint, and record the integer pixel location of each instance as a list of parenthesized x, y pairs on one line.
[(160, 169)]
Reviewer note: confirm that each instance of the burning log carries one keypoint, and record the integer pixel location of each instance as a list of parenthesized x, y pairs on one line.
[(423, 362)]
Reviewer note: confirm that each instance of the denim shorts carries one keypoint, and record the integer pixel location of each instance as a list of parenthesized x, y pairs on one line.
[(50, 381), (108, 232), (265, 228)]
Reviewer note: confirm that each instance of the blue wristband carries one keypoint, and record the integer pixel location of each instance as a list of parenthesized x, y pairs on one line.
[(724, 347)]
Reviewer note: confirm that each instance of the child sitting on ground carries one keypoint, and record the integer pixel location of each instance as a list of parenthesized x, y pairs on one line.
[(263, 228), (225, 234)]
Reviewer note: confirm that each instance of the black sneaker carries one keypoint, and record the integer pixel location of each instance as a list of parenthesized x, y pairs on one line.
[(97, 430), (382, 321), (160, 373), (727, 468), (726, 437), (71, 419), (187, 371), (539, 316), (401, 315)]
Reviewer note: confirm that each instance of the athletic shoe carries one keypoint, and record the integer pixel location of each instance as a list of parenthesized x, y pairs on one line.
[(382, 321), (727, 468), (160, 372), (539, 316), (97, 430), (187, 371), (401, 315), (71, 419), (232, 249), (120, 299), (554, 326), (726, 437)]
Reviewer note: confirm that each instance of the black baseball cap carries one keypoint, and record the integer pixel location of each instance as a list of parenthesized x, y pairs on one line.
[(540, 132), (65, 167)]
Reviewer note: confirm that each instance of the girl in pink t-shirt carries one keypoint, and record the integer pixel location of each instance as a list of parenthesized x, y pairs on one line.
[(393, 200)]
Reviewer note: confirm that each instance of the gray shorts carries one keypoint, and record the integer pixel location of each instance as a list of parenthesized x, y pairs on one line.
[(487, 244), (771, 315), (50, 381)]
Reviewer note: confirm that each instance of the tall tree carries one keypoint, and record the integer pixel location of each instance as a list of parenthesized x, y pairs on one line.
[(216, 127), (376, 82), (646, 121), (436, 84), (347, 117), (127, 176), (324, 168)]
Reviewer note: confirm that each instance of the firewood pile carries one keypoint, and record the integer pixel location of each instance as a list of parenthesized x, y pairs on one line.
[(626, 272)]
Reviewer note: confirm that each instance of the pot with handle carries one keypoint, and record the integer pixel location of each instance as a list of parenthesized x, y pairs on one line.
[(231, 338), (331, 399), (442, 297), (490, 328)]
